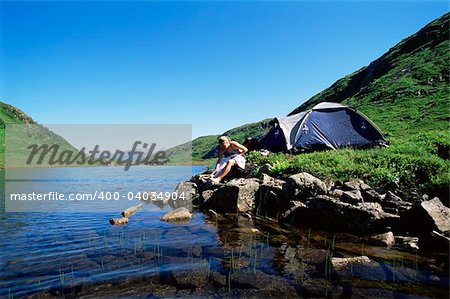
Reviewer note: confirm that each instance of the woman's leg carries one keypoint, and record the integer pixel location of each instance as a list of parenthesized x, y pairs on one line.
[(226, 170)]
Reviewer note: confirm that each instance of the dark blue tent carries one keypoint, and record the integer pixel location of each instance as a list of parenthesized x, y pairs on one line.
[(325, 126)]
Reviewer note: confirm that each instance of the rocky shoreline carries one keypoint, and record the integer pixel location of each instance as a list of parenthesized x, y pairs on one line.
[(305, 201)]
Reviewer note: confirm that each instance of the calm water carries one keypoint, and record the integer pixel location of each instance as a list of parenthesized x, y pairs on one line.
[(61, 253)]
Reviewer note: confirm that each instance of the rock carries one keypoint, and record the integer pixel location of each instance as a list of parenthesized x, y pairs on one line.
[(302, 185), (325, 212), (180, 214), (428, 216), (203, 182), (408, 243), (352, 197), (261, 281), (337, 193), (188, 189), (265, 168), (356, 185), (338, 263), (297, 207), (371, 195), (119, 221), (269, 201), (386, 239), (273, 182), (438, 213), (237, 195), (391, 197), (185, 279), (132, 210)]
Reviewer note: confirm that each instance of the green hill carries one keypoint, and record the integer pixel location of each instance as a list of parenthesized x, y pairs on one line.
[(205, 147), (404, 91), (31, 133)]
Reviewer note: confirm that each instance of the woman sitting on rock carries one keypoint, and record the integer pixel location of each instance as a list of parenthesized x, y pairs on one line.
[(230, 155)]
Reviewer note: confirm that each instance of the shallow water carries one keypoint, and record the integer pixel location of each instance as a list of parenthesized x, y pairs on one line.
[(80, 254)]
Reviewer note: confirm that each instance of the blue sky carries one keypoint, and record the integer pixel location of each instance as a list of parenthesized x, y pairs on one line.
[(215, 65)]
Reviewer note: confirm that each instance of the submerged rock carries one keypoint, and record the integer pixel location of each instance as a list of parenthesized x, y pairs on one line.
[(180, 214), (386, 239), (119, 221), (132, 210), (338, 263)]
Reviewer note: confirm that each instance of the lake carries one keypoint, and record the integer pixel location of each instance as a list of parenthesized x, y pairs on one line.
[(69, 249)]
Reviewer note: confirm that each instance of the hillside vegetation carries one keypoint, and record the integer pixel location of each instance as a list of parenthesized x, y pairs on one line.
[(31, 133), (406, 93)]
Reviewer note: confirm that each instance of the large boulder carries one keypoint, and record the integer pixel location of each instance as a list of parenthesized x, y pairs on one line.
[(188, 190), (238, 195), (186, 195), (352, 197), (269, 200), (303, 185), (428, 216), (325, 212)]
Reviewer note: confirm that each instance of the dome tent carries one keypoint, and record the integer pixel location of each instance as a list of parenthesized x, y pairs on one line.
[(325, 126)]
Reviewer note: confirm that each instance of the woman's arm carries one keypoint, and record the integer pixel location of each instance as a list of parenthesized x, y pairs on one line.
[(242, 149)]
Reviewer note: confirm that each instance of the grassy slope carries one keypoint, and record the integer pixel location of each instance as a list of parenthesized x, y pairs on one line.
[(406, 93), (403, 91), (35, 134), (204, 147)]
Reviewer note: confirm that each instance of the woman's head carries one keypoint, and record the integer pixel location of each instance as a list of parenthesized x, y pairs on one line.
[(224, 141)]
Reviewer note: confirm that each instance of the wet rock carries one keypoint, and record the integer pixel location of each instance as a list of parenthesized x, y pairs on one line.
[(118, 221), (328, 213), (193, 279), (262, 281), (408, 243), (320, 288), (238, 195), (386, 239), (339, 263), (302, 185), (352, 197), (180, 214), (218, 280), (132, 210)]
